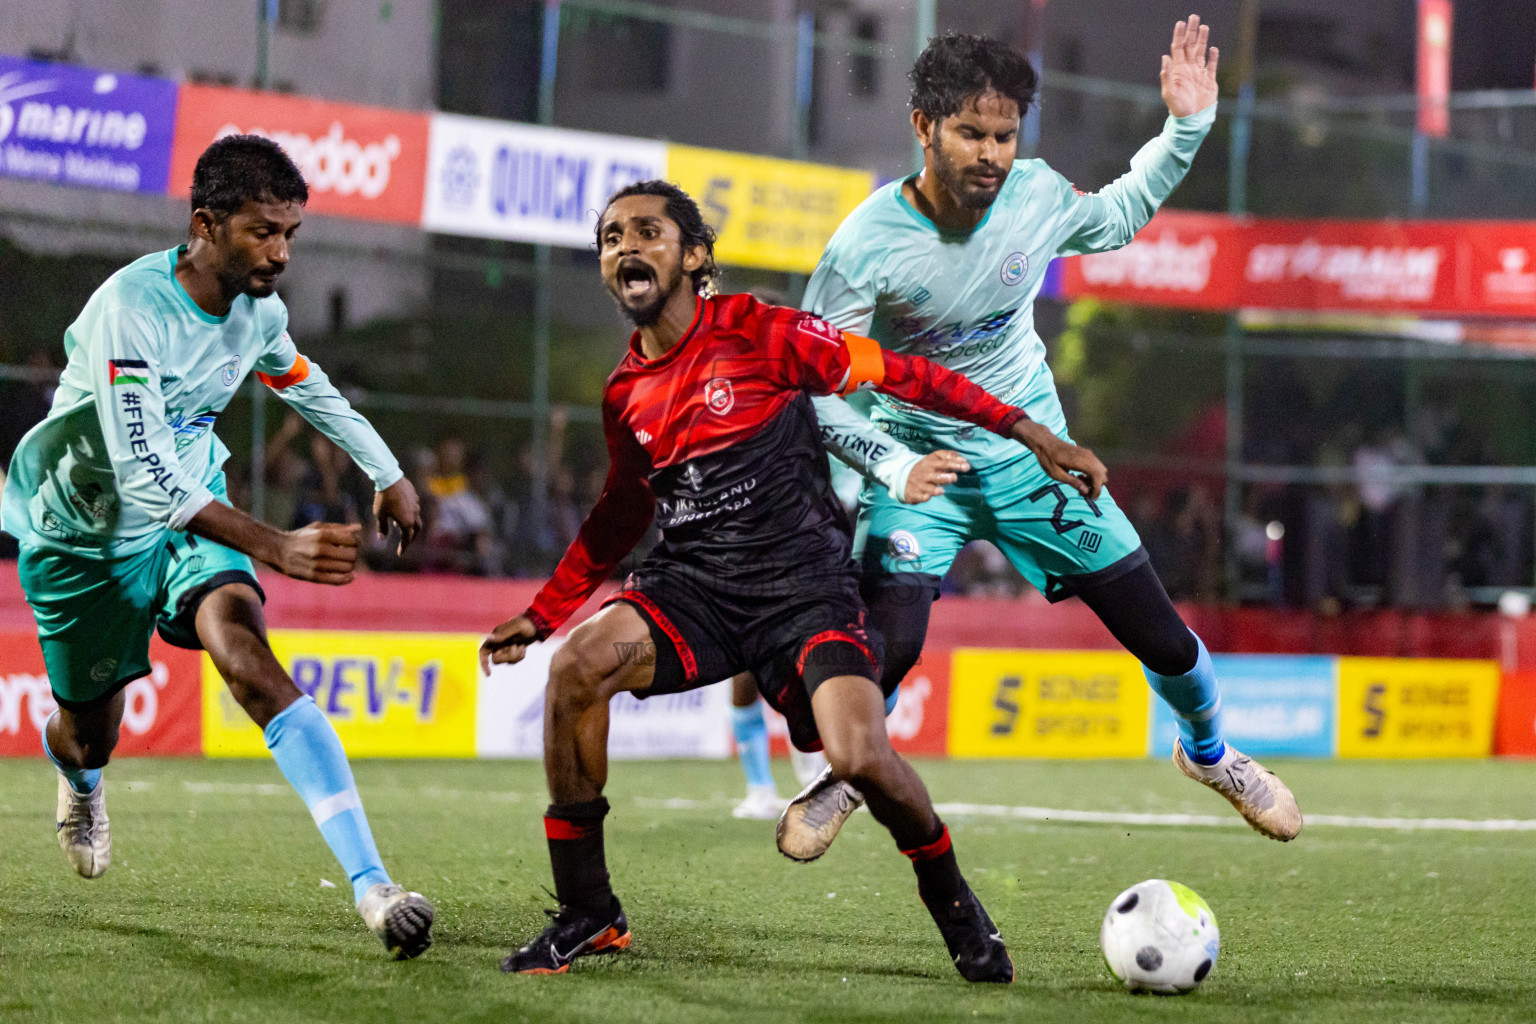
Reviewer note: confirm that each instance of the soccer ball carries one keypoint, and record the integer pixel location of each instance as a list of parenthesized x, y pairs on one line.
[(1160, 937)]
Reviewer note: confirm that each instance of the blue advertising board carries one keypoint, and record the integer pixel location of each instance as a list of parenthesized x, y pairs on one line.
[(81, 126), (1271, 705)]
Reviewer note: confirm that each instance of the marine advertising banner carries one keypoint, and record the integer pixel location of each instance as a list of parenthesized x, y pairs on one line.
[(528, 183), (1078, 704), (160, 711), (387, 694), (79, 126), (1271, 706), (362, 162), (1416, 707), (510, 722), (768, 213)]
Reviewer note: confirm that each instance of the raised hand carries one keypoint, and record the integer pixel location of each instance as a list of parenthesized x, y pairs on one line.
[(929, 477), (1189, 69)]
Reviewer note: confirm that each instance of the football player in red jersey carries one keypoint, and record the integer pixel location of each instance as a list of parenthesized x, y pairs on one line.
[(711, 433)]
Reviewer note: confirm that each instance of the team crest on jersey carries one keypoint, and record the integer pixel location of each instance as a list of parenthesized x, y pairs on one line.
[(231, 372), (1015, 267), (904, 546), (719, 396)]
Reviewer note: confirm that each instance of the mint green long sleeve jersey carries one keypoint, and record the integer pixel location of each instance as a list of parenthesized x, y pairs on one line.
[(966, 301), (128, 449)]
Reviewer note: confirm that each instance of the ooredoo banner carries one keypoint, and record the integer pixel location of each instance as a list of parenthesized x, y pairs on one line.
[(1271, 706), (79, 126), (160, 712), (363, 162), (1207, 261), (527, 183)]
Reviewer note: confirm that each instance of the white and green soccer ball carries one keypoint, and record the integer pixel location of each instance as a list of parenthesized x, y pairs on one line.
[(1160, 936)]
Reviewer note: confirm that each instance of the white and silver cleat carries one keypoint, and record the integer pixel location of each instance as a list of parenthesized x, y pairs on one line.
[(1258, 794), (813, 819), (85, 834), (762, 803), (402, 920)]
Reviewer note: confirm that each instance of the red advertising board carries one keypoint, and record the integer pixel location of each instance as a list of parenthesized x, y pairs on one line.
[(163, 713), (363, 162), (1209, 261), (1514, 731)]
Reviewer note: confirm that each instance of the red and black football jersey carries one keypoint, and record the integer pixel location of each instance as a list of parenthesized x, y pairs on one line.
[(718, 442)]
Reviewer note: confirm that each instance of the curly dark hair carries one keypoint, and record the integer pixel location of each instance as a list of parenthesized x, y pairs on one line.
[(955, 68), (241, 167), (684, 212)]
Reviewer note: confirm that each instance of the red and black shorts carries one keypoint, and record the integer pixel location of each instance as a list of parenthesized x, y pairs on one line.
[(791, 638)]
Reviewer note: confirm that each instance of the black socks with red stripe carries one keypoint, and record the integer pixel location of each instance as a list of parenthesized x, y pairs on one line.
[(575, 834), (938, 874)]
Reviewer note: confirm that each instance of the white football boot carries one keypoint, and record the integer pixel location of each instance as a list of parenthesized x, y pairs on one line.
[(762, 803), (85, 834), (1258, 794), (402, 920), (812, 819)]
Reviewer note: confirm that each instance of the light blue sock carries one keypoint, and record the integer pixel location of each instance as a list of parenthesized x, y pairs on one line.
[(752, 743), (890, 702), (81, 780), (306, 748), (1196, 702)]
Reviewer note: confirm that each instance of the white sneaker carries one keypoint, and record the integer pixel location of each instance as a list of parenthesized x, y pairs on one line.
[(762, 803), (1258, 794), (402, 920), (85, 834), (808, 764)]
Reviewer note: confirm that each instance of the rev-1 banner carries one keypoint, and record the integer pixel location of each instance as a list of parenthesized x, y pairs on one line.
[(1209, 261)]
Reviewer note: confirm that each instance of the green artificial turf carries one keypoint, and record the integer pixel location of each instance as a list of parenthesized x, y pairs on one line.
[(214, 909)]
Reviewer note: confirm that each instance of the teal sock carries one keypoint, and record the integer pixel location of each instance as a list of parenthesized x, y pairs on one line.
[(81, 780), (308, 751), (1196, 703), (751, 731)]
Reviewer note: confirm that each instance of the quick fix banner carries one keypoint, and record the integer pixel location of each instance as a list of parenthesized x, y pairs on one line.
[(527, 183), (1207, 261), (79, 126), (362, 162)]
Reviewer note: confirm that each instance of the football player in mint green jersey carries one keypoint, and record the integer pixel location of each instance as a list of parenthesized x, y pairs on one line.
[(118, 501), (946, 264)]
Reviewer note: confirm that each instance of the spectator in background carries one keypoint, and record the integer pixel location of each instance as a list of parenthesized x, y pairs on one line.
[(459, 536), (327, 492), (23, 404)]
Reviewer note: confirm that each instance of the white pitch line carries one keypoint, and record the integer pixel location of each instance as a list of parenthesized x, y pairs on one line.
[(1212, 820)]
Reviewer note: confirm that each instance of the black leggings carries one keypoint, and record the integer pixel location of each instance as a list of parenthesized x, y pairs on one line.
[(1134, 607)]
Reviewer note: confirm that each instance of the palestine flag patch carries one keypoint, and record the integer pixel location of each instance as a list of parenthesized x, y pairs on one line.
[(127, 371)]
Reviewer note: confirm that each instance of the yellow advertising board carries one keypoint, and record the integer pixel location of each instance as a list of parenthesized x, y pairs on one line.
[(768, 213), (1416, 707), (387, 694), (1009, 703)]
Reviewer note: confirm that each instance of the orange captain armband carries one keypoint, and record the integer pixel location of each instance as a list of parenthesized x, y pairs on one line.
[(297, 374), (866, 362)]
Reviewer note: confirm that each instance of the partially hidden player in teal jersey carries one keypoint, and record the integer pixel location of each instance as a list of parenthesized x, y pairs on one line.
[(946, 264), (118, 500)]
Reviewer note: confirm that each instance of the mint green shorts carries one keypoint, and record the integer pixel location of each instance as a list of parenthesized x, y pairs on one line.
[(1059, 540), (95, 616)]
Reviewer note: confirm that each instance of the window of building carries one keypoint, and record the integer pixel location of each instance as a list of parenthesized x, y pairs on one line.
[(864, 68), (624, 54), (298, 15)]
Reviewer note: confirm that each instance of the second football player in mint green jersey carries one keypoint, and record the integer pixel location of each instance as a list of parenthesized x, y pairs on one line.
[(946, 264)]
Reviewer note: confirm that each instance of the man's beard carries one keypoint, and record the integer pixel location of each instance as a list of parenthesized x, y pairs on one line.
[(953, 179), (649, 315)]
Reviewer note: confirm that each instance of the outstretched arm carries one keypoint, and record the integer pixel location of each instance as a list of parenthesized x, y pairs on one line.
[(1111, 217), (611, 531)]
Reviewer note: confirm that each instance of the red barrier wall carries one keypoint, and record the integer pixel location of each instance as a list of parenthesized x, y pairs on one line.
[(459, 604)]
